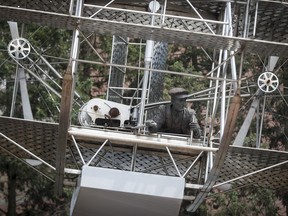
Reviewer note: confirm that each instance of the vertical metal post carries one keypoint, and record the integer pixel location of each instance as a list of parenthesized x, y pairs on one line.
[(66, 107), (246, 21), (255, 19), (258, 142), (148, 58)]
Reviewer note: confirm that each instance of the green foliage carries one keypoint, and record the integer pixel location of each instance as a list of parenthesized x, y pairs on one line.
[(249, 201), (250, 141), (35, 193)]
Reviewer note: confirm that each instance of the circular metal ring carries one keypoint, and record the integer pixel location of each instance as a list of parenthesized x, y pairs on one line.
[(19, 48), (268, 82)]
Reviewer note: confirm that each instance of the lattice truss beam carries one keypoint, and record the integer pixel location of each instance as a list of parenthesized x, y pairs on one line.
[(258, 27), (242, 166)]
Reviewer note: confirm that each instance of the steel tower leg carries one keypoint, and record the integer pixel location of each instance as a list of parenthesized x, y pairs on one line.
[(68, 87), (221, 154)]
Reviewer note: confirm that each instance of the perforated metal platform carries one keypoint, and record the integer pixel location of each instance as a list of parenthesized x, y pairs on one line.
[(242, 166), (270, 18)]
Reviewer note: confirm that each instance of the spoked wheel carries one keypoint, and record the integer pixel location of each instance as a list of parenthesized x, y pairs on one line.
[(19, 48), (268, 82)]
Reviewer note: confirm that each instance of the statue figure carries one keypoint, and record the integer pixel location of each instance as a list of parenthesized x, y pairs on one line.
[(175, 117)]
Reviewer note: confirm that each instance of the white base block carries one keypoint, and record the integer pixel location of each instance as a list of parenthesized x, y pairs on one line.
[(108, 192)]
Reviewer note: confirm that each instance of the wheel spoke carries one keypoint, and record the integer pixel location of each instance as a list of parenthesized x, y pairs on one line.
[(262, 80)]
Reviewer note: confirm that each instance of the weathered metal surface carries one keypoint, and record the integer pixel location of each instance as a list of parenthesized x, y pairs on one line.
[(270, 36), (40, 138)]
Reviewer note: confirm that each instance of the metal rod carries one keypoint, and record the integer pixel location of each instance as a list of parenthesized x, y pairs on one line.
[(78, 150), (147, 60), (91, 46), (200, 16), (97, 152), (142, 141), (164, 12), (155, 70), (71, 7), (246, 19), (46, 74), (105, 6), (134, 154), (40, 80), (255, 18), (252, 173), (30, 153), (175, 165), (261, 123), (223, 62), (191, 166), (28, 164)]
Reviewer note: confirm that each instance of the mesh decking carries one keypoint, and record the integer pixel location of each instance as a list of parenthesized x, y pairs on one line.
[(271, 35), (41, 138)]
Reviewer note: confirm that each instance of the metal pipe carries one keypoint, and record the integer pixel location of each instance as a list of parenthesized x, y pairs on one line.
[(91, 46), (175, 165), (39, 79), (200, 16), (134, 153), (97, 152), (142, 141), (154, 70), (28, 164), (147, 60), (164, 12), (78, 150), (50, 66), (30, 153), (105, 6), (71, 7), (252, 173), (246, 19), (192, 165), (255, 18), (261, 123)]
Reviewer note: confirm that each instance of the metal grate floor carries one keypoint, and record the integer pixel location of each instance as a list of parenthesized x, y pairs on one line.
[(270, 37), (242, 166)]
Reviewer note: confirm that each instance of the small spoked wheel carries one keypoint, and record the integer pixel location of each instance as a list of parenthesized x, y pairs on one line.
[(19, 48), (268, 82)]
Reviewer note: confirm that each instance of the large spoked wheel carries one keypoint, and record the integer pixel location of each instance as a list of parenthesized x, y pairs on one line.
[(268, 82), (19, 48)]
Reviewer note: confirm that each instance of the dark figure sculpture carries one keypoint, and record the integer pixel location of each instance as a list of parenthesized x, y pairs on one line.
[(175, 117)]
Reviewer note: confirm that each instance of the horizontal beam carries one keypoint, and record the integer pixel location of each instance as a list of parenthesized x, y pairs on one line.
[(157, 33), (175, 143)]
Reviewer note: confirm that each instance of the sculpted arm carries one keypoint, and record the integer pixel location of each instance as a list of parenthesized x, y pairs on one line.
[(194, 126), (158, 121)]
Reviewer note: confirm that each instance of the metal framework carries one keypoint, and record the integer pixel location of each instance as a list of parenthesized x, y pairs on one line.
[(247, 27)]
